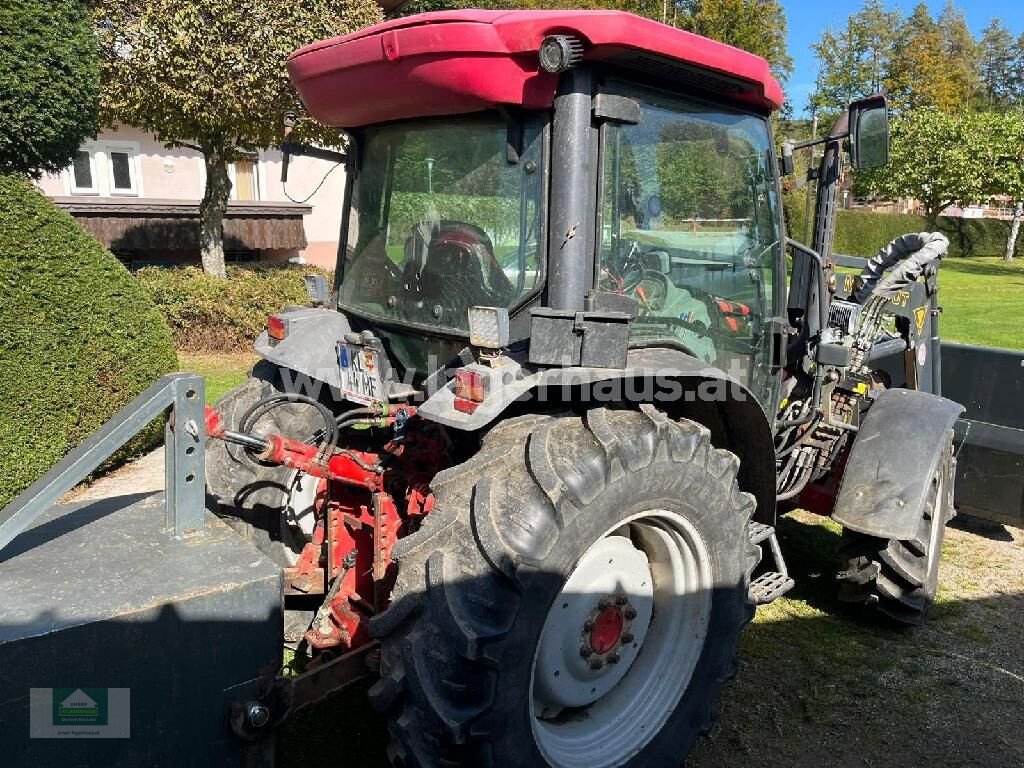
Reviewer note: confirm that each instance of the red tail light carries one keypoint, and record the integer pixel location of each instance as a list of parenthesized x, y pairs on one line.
[(277, 328), (469, 391)]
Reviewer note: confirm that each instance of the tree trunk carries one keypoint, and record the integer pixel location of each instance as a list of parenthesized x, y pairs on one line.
[(1011, 244), (211, 213)]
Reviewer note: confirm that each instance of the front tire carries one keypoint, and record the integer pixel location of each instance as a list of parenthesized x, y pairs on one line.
[(897, 578), (505, 587)]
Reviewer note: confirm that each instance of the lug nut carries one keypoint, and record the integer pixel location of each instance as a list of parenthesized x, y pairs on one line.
[(605, 604), (588, 625), (257, 714), (614, 658), (585, 651), (596, 663), (627, 638), (629, 612)]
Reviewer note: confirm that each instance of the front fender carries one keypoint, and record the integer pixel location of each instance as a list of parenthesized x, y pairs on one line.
[(892, 463)]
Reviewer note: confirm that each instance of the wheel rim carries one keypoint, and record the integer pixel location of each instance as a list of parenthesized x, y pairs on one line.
[(641, 593)]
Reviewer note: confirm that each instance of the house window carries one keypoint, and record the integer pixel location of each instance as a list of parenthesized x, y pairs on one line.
[(245, 179), (122, 172), (83, 176), (105, 168)]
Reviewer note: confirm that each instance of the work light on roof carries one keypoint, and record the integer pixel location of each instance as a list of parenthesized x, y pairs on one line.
[(559, 53)]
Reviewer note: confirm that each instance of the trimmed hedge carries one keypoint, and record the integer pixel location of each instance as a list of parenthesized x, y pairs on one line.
[(861, 233), (210, 315), (81, 339)]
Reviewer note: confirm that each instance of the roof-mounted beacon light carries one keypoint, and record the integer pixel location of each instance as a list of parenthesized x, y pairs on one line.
[(559, 53)]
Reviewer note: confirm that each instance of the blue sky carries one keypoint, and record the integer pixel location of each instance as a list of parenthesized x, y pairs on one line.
[(808, 18)]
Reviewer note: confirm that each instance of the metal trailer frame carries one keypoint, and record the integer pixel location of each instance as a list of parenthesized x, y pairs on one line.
[(185, 467)]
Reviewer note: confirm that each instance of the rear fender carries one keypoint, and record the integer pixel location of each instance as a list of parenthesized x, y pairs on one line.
[(677, 383), (892, 462), (310, 347)]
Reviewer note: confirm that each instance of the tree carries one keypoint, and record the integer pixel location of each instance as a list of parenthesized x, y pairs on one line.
[(854, 61), (49, 81), (936, 158), (1017, 78), (918, 75), (210, 75), (1007, 171), (997, 64), (961, 53)]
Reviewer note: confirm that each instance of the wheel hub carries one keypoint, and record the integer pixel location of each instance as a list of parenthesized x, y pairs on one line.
[(596, 627), (607, 630)]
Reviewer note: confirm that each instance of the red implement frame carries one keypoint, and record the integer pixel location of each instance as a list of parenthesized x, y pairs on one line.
[(348, 558)]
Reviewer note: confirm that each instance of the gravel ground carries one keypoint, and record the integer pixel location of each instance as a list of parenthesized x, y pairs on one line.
[(144, 475)]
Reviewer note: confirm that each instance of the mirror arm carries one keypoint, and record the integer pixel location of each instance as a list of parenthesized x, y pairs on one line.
[(818, 141)]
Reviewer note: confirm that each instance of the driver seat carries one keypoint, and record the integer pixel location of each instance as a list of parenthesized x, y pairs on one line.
[(460, 266)]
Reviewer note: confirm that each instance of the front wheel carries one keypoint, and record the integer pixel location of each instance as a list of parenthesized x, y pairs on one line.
[(573, 600), (898, 578)]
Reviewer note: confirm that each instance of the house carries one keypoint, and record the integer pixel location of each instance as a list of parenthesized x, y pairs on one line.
[(141, 199)]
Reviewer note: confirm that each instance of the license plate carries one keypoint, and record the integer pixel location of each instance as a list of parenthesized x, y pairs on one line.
[(361, 381)]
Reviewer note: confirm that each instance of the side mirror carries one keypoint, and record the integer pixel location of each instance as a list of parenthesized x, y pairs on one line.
[(869, 133)]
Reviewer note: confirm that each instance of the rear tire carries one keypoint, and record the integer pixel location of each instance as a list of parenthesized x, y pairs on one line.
[(252, 497), (897, 578), (481, 590)]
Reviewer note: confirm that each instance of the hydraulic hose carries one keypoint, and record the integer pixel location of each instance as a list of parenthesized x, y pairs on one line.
[(262, 407), (913, 253)]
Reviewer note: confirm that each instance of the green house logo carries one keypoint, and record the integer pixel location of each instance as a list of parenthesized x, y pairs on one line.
[(79, 706)]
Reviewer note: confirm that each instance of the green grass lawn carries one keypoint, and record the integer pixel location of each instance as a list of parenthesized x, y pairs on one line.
[(221, 371), (982, 301)]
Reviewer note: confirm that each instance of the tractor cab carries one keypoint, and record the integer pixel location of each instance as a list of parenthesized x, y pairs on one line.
[(546, 164)]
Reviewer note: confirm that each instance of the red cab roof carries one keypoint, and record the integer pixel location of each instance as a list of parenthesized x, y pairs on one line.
[(454, 62)]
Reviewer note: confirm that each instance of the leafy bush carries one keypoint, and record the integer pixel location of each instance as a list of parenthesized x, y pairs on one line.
[(211, 315), (81, 339), (861, 233)]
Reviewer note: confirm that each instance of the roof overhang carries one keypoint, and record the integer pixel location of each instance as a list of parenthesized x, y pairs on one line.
[(173, 225), (456, 62)]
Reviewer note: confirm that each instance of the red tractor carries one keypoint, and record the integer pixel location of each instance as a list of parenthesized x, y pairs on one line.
[(525, 458)]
